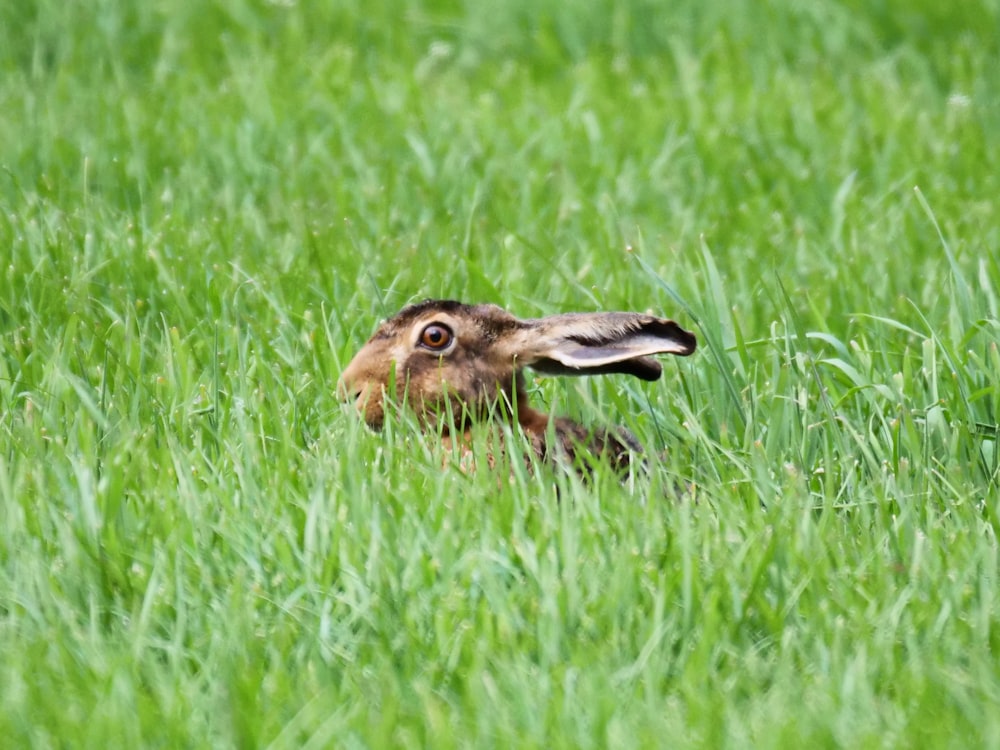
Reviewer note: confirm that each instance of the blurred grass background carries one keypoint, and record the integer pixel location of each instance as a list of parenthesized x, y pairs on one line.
[(207, 207)]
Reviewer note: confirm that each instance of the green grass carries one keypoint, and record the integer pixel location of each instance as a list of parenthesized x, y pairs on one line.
[(205, 208)]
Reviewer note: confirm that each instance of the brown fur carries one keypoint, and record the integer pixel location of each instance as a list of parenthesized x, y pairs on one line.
[(479, 373)]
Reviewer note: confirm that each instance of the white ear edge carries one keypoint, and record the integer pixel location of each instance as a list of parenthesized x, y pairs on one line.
[(578, 356)]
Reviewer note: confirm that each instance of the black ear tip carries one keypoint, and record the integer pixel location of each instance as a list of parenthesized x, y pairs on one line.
[(668, 329), (689, 339), (690, 342)]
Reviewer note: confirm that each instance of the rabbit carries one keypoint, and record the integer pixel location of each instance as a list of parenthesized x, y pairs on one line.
[(454, 364)]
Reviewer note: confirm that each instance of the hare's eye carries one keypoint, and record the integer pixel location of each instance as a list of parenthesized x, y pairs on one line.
[(436, 337)]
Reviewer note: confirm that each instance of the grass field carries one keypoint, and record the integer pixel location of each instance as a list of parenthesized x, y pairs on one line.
[(205, 209)]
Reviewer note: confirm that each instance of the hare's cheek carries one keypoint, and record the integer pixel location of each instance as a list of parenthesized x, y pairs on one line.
[(437, 411)]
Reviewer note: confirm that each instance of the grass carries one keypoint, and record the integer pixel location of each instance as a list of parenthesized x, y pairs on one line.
[(206, 208)]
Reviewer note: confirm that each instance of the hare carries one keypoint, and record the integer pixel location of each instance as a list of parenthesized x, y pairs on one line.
[(454, 364)]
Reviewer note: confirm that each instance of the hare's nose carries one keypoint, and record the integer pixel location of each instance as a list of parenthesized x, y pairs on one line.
[(351, 383), (346, 390)]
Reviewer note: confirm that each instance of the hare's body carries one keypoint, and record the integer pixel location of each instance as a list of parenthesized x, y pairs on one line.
[(454, 364)]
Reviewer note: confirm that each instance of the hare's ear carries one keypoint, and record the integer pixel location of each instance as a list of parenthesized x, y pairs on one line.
[(601, 343)]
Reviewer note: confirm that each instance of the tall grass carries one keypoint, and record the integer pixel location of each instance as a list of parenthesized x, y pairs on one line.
[(206, 209)]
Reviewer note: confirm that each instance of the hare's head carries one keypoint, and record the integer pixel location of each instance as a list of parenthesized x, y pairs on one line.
[(437, 356), (447, 358)]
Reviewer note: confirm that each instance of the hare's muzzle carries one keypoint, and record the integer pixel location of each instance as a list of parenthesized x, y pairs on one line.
[(351, 391), (364, 398), (345, 391)]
